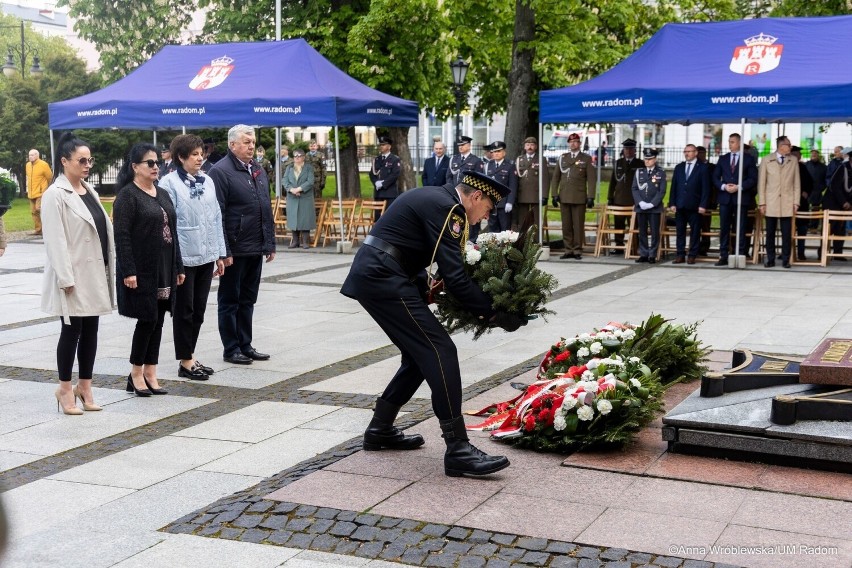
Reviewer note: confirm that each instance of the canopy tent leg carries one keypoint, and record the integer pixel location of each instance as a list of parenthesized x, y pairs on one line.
[(52, 150), (599, 158), (343, 245), (155, 138), (278, 162), (738, 260), (417, 150)]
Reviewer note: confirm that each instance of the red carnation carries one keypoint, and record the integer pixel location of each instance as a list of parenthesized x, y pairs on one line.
[(529, 423), (564, 356), (546, 417), (536, 403)]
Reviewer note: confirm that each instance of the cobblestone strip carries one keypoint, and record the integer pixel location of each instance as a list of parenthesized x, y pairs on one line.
[(418, 543), (278, 278), (28, 323)]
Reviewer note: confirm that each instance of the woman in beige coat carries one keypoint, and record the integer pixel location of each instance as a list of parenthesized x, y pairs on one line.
[(79, 279), (778, 191)]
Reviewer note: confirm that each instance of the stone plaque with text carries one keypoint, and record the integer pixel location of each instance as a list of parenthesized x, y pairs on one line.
[(829, 364)]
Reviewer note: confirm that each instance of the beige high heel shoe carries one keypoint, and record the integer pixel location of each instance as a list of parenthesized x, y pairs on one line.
[(73, 411), (86, 406)]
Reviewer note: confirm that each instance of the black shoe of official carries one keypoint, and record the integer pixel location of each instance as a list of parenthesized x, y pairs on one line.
[(199, 365), (462, 457), (641, 259), (652, 260), (194, 374), (721, 262), (381, 434), (786, 264), (769, 264), (238, 359), (256, 355), (567, 255)]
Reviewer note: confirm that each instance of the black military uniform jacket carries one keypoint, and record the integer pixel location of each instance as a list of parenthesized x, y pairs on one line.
[(387, 170), (413, 226), (621, 182), (650, 188), (458, 166), (504, 173)]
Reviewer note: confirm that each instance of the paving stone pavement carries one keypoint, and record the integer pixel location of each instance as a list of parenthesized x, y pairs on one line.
[(200, 479)]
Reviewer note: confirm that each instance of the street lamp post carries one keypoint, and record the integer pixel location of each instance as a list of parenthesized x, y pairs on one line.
[(9, 69), (459, 68)]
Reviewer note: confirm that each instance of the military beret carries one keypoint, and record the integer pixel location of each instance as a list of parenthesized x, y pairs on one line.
[(649, 153), (384, 140), (498, 145), (573, 136), (629, 143), (530, 140), (464, 140), (490, 187)]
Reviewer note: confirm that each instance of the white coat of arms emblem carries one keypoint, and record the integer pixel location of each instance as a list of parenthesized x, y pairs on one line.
[(760, 54), (212, 75)]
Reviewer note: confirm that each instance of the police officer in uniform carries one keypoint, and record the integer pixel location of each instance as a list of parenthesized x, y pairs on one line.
[(621, 186), (573, 189), (463, 161), (388, 278), (528, 169), (385, 173), (502, 170), (649, 189)]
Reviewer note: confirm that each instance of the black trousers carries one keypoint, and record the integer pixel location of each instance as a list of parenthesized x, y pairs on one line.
[(648, 223), (80, 337), (499, 221), (837, 228), (727, 220), (145, 349), (786, 232), (427, 352), (190, 305), (682, 217), (238, 289)]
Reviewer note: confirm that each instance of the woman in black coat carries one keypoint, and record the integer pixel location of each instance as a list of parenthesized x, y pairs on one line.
[(148, 261)]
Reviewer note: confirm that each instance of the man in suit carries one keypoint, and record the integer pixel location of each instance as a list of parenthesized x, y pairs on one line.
[(573, 189), (726, 181), (778, 189), (388, 279), (385, 173), (463, 161), (435, 168), (502, 170), (621, 186), (806, 187), (688, 200), (528, 170)]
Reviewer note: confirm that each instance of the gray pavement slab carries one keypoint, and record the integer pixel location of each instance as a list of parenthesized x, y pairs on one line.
[(197, 552)]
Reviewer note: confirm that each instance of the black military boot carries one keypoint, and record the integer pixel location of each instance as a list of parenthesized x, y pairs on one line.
[(381, 434), (462, 457)]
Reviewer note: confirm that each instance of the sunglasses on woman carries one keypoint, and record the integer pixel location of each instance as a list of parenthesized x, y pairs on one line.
[(86, 161), (151, 163)]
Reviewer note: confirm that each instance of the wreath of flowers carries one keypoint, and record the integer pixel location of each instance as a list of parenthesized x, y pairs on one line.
[(504, 266), (592, 390)]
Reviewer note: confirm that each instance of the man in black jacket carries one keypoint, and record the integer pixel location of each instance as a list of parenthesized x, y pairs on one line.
[(388, 279), (243, 191)]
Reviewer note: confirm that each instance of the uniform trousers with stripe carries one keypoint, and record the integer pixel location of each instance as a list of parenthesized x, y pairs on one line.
[(428, 353)]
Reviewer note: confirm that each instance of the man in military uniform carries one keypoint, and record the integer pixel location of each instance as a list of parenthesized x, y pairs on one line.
[(621, 186), (260, 156), (528, 169), (502, 170), (573, 189), (388, 278), (648, 191), (317, 161), (385, 173), (463, 161)]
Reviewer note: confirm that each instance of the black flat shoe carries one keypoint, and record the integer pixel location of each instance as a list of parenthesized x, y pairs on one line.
[(238, 359), (652, 260), (132, 388), (641, 259), (786, 264), (769, 264), (194, 374), (566, 255), (153, 390), (256, 355), (205, 368)]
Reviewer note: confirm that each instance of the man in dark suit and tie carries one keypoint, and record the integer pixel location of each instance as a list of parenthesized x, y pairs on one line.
[(435, 168), (385, 173), (688, 201), (726, 181), (502, 170)]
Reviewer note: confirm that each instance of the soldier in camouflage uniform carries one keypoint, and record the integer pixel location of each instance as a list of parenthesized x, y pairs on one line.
[(317, 160)]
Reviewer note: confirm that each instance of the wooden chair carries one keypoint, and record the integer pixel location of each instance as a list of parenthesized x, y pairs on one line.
[(365, 218), (810, 216), (279, 217), (331, 224), (828, 240), (607, 232), (712, 233), (668, 237), (320, 208), (547, 225)]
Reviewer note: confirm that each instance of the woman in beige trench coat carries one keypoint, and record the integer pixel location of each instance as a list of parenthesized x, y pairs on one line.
[(79, 276)]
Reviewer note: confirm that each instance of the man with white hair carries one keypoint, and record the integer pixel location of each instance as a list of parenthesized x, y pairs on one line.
[(243, 192)]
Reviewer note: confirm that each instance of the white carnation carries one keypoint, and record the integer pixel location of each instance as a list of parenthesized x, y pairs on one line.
[(585, 413), (584, 337), (472, 256), (595, 347), (593, 364), (588, 376), (604, 407), (634, 359), (568, 403), (629, 334), (590, 386), (582, 352), (635, 383), (559, 422)]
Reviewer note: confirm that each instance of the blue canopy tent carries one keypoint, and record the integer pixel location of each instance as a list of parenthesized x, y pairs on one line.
[(280, 83), (759, 70)]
